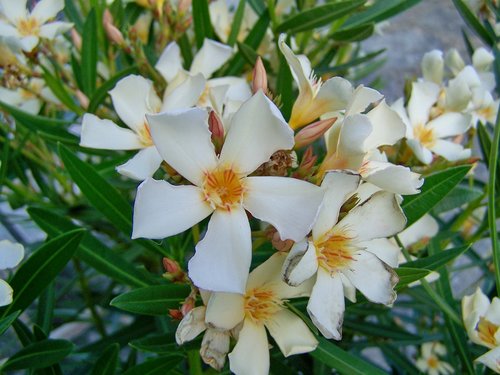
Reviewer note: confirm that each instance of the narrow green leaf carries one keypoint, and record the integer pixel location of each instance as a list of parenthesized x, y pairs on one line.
[(248, 53), (59, 90), (492, 217), (458, 197), (380, 11), (107, 363), (91, 250), (399, 360), (8, 320), (342, 361), (435, 262), (237, 20), (41, 268), (161, 344), (202, 24), (473, 21), (45, 310), (71, 11), (152, 300), (435, 188), (380, 331), (353, 34), (409, 275), (318, 16), (285, 87), (354, 62), (89, 54), (157, 366), (259, 6), (39, 354)]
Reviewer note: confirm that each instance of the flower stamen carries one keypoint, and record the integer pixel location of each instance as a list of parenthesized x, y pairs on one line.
[(223, 188), (261, 304)]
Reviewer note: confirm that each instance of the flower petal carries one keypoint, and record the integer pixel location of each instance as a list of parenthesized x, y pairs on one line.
[(372, 277), (423, 154), (433, 66), (290, 205), (326, 305), (6, 293), (53, 29), (183, 140), (28, 43), (393, 178), (333, 95), (290, 333), (378, 217), (425, 227), (162, 210), (133, 97), (423, 96), (11, 254), (250, 356), (143, 165), (169, 63), (7, 30), (491, 359), (225, 310), (450, 151), (300, 74), (222, 259), (388, 128), (355, 130), (14, 10), (386, 250), (184, 95), (450, 124), (210, 57), (214, 348), (361, 99), (300, 264), (191, 325), (105, 134), (257, 131), (44, 10)]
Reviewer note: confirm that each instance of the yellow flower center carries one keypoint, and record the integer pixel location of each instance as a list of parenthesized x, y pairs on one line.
[(223, 188), (335, 249), (433, 362), (425, 135), (28, 26), (486, 112), (486, 331), (261, 304)]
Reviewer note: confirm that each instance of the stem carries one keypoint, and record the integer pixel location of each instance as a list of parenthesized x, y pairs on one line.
[(491, 201), (194, 362)]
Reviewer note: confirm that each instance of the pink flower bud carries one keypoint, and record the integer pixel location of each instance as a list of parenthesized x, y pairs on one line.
[(259, 81), (112, 32), (187, 306), (217, 129), (171, 266), (175, 314), (82, 99), (312, 132), (76, 38)]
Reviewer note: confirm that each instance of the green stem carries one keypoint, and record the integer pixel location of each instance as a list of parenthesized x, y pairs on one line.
[(491, 201), (194, 362)]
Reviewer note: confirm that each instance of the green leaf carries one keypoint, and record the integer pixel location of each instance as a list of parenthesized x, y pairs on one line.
[(91, 250), (284, 86), (41, 268), (399, 360), (45, 309), (8, 320), (89, 54), (237, 19), (354, 62), (318, 16), (435, 262), (103, 89), (458, 197), (107, 363), (485, 144), (380, 11), (342, 361), (157, 366), (162, 344), (353, 34), (152, 300), (258, 6), (409, 275), (71, 11), (380, 331), (435, 188), (202, 25), (39, 354), (56, 86), (471, 19)]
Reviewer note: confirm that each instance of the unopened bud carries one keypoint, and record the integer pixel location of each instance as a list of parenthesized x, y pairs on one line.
[(187, 306), (112, 32), (259, 81), (171, 266), (306, 165), (76, 38), (175, 314), (312, 132), (82, 99), (217, 129)]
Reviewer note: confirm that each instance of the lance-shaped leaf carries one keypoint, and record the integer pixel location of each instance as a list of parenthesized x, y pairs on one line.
[(108, 361)]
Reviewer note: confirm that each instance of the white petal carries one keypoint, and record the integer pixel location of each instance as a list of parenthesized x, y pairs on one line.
[(250, 356), (450, 124), (6, 293), (356, 129), (214, 348), (474, 307), (326, 305), (53, 29), (299, 74), (13, 10), (12, 97), (162, 210), (222, 259), (169, 63), (493, 313), (423, 154), (7, 30), (191, 325), (143, 165), (491, 359), (131, 97), (450, 151), (183, 140), (372, 277), (290, 205), (423, 97), (105, 134), (11, 254), (32, 106), (333, 95), (300, 264), (425, 227), (385, 249), (225, 310), (44, 10), (210, 57), (339, 186), (257, 131), (454, 61), (388, 128), (291, 333), (361, 100), (482, 59), (184, 95), (393, 178), (433, 66), (28, 43), (457, 95), (379, 216)]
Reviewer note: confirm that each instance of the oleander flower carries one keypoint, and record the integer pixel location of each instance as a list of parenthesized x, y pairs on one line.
[(223, 188), (261, 307), (31, 97), (482, 323), (345, 252), (28, 27), (315, 97), (426, 135), (430, 361), (11, 255)]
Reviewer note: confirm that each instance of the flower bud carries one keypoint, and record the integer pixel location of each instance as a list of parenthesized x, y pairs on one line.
[(312, 132), (175, 314), (173, 270), (112, 32), (187, 306), (82, 99), (306, 165), (76, 38), (217, 129), (259, 81)]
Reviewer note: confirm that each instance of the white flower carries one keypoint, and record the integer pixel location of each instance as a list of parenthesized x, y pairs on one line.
[(222, 20), (261, 307), (28, 27), (315, 97), (347, 254), (10, 256), (482, 323), (29, 99), (430, 362), (221, 187), (425, 135), (420, 231)]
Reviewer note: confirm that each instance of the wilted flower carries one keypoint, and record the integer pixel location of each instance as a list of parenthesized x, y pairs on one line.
[(10, 256), (430, 361)]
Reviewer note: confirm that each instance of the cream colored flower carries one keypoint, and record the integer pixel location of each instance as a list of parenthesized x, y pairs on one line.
[(11, 255), (430, 362)]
